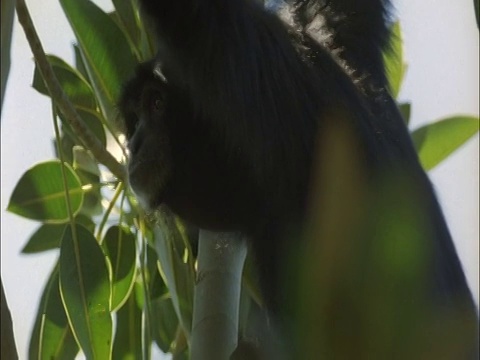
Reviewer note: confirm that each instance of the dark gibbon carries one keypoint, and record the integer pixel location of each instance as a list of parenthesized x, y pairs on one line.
[(223, 124)]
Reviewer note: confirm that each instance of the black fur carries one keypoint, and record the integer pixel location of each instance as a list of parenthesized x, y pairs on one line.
[(359, 31), (243, 98)]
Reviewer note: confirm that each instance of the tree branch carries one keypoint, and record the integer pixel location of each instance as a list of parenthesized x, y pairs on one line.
[(88, 139), (221, 257)]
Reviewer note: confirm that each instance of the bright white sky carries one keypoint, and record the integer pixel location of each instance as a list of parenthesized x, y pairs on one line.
[(442, 46)]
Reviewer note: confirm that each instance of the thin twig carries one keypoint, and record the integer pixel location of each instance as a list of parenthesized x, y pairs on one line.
[(88, 139)]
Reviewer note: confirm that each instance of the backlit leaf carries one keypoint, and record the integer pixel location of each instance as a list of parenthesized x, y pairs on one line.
[(85, 289), (120, 247), (40, 193), (52, 337), (436, 141), (105, 51)]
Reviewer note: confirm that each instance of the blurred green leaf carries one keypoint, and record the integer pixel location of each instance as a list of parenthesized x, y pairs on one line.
[(40, 194), (85, 289), (368, 252), (436, 141), (105, 51), (51, 337), (394, 62), (120, 247)]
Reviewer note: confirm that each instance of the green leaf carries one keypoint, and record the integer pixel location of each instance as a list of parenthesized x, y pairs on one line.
[(89, 173), (67, 144), (436, 141), (49, 236), (79, 64), (72, 82), (140, 34), (40, 194), (165, 324), (127, 15), (160, 306), (105, 51), (405, 110), (69, 138), (51, 337), (156, 285), (120, 247), (84, 160), (178, 274), (394, 62), (85, 289), (127, 344), (92, 119)]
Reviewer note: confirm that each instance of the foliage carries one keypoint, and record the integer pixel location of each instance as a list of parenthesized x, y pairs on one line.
[(111, 264)]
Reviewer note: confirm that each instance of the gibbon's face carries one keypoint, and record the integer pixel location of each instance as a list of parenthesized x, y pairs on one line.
[(143, 106)]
